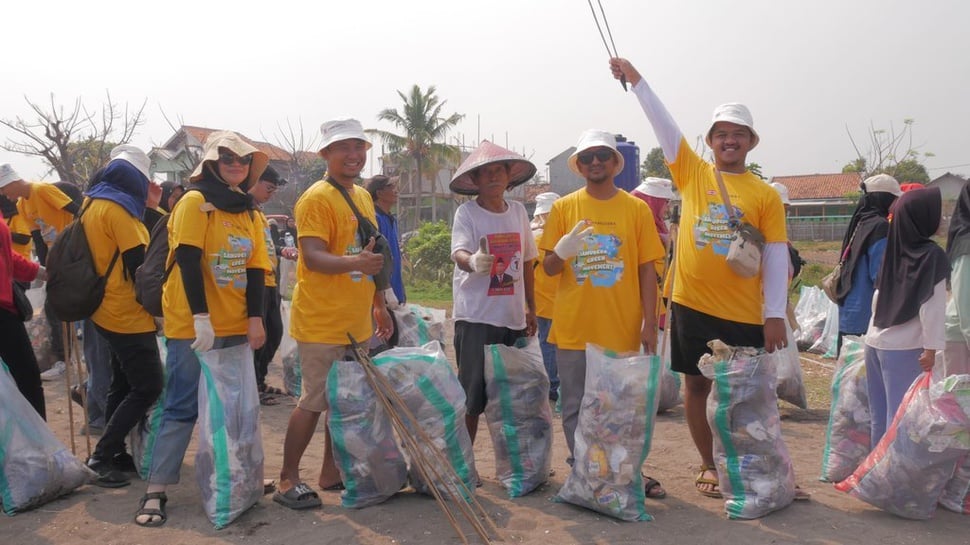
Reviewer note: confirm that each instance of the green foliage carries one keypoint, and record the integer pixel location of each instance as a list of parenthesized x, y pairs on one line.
[(755, 168), (428, 294), (856, 165), (428, 256), (908, 170), (654, 165)]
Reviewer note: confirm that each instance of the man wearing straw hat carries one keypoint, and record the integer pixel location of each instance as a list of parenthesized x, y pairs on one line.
[(335, 295), (602, 244), (490, 308), (710, 301)]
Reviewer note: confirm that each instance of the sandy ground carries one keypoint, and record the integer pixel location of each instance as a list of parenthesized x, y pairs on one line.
[(95, 515)]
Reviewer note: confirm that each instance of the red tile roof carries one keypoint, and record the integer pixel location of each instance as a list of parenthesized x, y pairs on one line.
[(820, 186), (275, 153), (531, 190)]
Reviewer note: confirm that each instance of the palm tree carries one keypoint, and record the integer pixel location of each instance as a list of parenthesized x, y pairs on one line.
[(422, 141)]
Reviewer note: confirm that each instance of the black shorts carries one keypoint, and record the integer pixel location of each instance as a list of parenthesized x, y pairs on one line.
[(691, 330), (470, 341)]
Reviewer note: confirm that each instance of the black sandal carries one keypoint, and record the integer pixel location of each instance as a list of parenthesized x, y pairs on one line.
[(160, 512)]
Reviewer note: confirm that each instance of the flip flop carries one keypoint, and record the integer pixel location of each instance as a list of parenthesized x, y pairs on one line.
[(335, 487), (299, 497), (267, 399), (273, 390), (269, 486), (652, 488), (801, 495), (701, 479)]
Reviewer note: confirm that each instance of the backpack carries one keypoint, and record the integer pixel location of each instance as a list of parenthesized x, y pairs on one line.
[(796, 260), (74, 287), (151, 275)]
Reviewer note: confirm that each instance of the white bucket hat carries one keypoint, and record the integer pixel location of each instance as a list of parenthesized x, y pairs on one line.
[(661, 188), (544, 202), (782, 192), (882, 182), (342, 129), (133, 155), (594, 138), (8, 175), (736, 113)]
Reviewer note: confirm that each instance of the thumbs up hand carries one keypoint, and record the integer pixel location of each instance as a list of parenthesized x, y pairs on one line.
[(368, 262), (569, 245), (481, 261)]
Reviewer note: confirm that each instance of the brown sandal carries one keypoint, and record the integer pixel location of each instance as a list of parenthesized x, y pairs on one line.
[(714, 492)]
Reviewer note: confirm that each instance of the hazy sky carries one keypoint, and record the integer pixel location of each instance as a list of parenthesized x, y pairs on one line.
[(534, 72)]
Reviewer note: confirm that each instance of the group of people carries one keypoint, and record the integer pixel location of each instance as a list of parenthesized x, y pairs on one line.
[(587, 268)]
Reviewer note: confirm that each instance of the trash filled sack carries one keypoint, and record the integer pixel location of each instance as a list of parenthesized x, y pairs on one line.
[(518, 414), (753, 464), (290, 355), (907, 471), (791, 385), (847, 436), (614, 434), (811, 312), (229, 459), (371, 465), (827, 343), (956, 493), (39, 330), (425, 381), (142, 437), (287, 279), (417, 325), (669, 395), (35, 467)]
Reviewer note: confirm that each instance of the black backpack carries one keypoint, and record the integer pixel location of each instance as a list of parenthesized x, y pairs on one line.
[(796, 260), (74, 287), (151, 275)]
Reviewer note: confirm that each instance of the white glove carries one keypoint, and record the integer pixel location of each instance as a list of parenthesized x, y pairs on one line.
[(204, 335), (569, 245), (481, 261)]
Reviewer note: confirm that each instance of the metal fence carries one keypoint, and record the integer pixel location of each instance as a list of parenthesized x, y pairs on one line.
[(817, 228)]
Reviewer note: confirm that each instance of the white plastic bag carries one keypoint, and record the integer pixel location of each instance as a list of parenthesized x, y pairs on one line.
[(371, 465), (791, 385), (847, 437), (614, 434), (753, 464), (229, 459), (290, 354), (518, 415), (811, 312), (426, 382), (417, 325), (669, 395), (35, 467)]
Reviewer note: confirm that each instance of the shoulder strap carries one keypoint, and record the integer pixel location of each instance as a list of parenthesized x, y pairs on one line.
[(724, 196), (361, 219)]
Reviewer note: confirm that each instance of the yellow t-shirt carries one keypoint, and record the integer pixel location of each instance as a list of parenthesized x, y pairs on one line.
[(328, 306), (703, 280), (110, 228), (270, 249), (598, 300), (545, 288), (230, 243), (44, 210), (19, 226)]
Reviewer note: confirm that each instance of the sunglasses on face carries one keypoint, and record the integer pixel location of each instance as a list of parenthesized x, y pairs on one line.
[(586, 157), (229, 158)]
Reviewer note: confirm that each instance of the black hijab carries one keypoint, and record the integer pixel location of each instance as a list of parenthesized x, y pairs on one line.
[(914, 264), (957, 241), (869, 225), (8, 208), (220, 194)]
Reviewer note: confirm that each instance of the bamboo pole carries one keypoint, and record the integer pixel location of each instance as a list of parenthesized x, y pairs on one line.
[(65, 340), (76, 352)]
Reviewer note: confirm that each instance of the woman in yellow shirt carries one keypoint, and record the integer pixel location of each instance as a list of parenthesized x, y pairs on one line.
[(213, 297)]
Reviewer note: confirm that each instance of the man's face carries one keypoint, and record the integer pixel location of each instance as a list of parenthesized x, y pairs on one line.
[(597, 164), (388, 194), (263, 191), (345, 158), (500, 267), (731, 143), (15, 190), (492, 180)]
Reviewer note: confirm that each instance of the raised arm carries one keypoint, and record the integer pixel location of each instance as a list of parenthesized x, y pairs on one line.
[(668, 133)]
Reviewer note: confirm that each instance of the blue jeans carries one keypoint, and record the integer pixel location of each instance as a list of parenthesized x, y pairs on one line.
[(97, 359), (549, 356), (181, 407), (889, 374)]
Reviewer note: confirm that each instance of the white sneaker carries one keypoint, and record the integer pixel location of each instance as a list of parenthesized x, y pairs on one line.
[(56, 371)]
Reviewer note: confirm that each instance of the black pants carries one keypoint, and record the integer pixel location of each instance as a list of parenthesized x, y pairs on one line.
[(18, 354), (273, 324), (136, 382)]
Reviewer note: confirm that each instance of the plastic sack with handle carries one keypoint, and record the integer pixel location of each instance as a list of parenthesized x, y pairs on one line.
[(847, 437), (229, 459), (371, 465), (753, 463), (791, 384), (811, 312), (417, 325), (908, 470), (614, 433), (35, 467), (429, 388), (518, 414)]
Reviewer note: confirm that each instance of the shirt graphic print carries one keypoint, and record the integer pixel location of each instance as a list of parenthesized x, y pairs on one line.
[(229, 266), (599, 261), (507, 267), (714, 228)]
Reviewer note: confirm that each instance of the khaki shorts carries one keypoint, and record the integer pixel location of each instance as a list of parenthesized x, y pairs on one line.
[(316, 359)]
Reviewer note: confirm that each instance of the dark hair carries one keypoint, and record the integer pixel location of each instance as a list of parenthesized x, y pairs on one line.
[(376, 184), (167, 189), (273, 177)]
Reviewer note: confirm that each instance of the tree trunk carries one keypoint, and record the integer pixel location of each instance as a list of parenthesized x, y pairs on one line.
[(418, 195)]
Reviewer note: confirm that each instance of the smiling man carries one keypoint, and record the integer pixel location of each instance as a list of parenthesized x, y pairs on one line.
[(710, 301)]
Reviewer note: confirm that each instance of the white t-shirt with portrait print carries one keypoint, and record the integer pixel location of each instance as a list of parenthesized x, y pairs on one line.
[(497, 298)]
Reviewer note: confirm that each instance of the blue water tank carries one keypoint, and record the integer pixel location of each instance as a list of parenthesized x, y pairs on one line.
[(629, 179)]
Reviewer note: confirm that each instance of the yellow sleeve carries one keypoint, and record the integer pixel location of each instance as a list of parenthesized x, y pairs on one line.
[(773, 217), (685, 165), (315, 218), (53, 196), (259, 259), (189, 221)]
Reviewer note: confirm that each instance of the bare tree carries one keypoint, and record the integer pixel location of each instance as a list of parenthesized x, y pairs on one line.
[(889, 151), (73, 142)]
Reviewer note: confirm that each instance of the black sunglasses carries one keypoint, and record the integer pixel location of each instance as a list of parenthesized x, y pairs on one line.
[(586, 157), (229, 158)]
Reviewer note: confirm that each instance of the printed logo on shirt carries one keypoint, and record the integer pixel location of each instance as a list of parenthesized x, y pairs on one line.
[(507, 268), (599, 260), (229, 266), (353, 249), (713, 228)]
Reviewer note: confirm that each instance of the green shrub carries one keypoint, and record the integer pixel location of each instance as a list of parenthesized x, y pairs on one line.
[(427, 262)]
